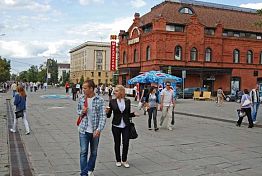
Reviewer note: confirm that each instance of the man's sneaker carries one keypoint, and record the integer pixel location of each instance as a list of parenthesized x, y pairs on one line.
[(125, 164), (255, 122), (149, 128), (156, 129), (12, 130), (118, 164), (170, 128), (27, 133), (90, 173)]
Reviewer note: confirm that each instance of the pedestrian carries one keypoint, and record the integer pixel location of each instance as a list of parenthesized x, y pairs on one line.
[(255, 99), (45, 86), (92, 109), (67, 86), (167, 103), (74, 92), (246, 107), (144, 94), (110, 93), (220, 96), (20, 105), (121, 108), (152, 103), (14, 88)]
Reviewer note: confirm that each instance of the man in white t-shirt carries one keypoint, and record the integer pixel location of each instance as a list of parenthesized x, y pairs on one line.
[(167, 102)]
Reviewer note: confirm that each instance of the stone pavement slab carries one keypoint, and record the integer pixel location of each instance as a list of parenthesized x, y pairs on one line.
[(195, 147)]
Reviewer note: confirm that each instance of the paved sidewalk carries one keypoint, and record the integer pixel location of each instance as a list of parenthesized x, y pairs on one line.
[(195, 147)]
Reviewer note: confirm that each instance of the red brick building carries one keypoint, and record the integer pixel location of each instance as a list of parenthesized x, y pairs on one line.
[(217, 45)]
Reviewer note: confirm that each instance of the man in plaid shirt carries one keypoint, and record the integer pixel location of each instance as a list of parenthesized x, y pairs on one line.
[(92, 109)]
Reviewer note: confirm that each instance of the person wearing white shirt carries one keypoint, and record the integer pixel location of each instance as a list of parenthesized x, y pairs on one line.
[(255, 99), (167, 102)]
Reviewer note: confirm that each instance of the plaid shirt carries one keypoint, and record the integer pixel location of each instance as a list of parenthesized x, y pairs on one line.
[(98, 115)]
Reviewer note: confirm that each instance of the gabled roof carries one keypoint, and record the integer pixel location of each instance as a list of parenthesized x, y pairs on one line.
[(209, 14)]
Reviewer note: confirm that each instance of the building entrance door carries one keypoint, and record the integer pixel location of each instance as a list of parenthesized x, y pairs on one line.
[(209, 84)]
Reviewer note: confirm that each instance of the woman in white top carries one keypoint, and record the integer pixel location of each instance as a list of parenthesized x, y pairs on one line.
[(120, 106)]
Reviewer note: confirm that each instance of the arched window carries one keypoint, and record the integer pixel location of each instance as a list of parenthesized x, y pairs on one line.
[(208, 55), (135, 55), (186, 10), (236, 56), (193, 54), (178, 53), (260, 60), (249, 57), (148, 53), (124, 58)]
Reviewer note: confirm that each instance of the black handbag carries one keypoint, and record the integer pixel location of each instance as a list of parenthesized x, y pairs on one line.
[(132, 131), (19, 114)]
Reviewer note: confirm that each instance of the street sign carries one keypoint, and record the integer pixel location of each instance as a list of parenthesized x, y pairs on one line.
[(183, 73)]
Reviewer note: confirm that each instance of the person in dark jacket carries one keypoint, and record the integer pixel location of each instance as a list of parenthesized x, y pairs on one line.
[(152, 104), (121, 107), (20, 104), (74, 92)]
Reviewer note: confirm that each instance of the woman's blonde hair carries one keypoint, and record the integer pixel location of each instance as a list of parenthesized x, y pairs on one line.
[(21, 91), (121, 90)]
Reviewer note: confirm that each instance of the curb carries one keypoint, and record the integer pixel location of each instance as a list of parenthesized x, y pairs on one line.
[(208, 117)]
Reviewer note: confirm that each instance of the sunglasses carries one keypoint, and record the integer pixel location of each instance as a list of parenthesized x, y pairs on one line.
[(167, 85)]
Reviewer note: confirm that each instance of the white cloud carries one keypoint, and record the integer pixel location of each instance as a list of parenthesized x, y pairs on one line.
[(102, 31), (87, 2), (24, 5), (252, 5), (138, 3), (36, 49)]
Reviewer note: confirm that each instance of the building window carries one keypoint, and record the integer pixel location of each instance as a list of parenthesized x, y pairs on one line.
[(124, 58), (208, 55), (99, 59), (99, 74), (260, 60), (147, 28), (235, 85), (99, 81), (92, 74), (236, 56), (148, 53), (175, 28), (124, 80), (193, 54), (178, 53), (135, 56), (249, 57), (209, 31), (186, 10)]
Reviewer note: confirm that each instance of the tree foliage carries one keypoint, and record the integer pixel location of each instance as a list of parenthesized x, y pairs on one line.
[(32, 74), (52, 68), (4, 70), (259, 23)]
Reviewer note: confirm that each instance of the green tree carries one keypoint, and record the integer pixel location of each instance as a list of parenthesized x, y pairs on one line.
[(23, 76), (4, 70), (32, 74), (53, 70), (259, 23), (81, 80), (13, 77)]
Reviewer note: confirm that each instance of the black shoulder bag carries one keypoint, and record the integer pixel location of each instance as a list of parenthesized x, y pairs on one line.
[(132, 130), (20, 113)]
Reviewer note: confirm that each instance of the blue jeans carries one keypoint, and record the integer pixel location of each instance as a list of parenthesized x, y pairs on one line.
[(85, 140), (255, 107)]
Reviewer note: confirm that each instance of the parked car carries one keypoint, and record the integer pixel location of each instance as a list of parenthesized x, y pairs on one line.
[(189, 92), (234, 97)]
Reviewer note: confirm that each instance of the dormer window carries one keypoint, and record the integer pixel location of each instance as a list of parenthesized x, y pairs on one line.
[(186, 10)]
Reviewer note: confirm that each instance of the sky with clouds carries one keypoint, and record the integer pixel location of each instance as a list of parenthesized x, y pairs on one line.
[(33, 30)]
